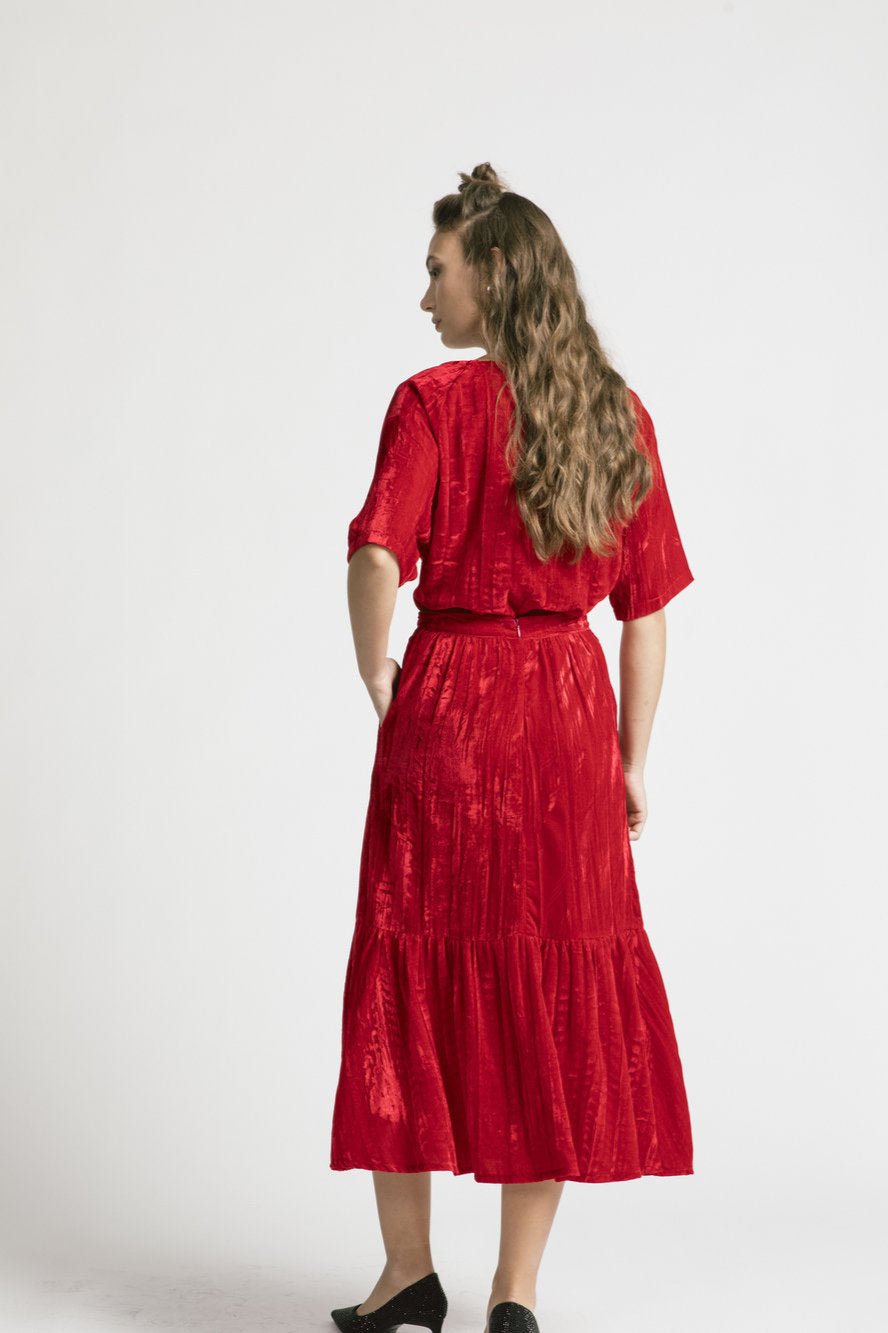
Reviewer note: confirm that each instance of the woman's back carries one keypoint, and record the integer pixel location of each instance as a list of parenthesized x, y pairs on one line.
[(442, 493)]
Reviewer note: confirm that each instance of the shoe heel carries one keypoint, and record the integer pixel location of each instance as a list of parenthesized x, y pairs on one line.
[(510, 1317)]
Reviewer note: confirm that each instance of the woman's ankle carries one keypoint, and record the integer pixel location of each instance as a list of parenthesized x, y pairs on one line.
[(403, 1273), (523, 1292)]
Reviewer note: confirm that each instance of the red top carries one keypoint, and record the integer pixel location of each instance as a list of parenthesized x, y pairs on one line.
[(441, 493)]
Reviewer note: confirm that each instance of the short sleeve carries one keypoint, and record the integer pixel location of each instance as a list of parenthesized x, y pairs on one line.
[(397, 512), (653, 566)]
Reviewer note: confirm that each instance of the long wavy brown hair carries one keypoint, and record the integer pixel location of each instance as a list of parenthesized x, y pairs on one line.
[(572, 448)]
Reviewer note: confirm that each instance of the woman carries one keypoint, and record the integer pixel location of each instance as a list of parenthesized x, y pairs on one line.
[(503, 1011)]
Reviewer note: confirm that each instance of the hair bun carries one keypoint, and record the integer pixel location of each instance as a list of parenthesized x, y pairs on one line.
[(482, 175)]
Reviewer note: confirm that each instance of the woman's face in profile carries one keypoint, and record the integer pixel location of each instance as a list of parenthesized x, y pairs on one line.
[(450, 295)]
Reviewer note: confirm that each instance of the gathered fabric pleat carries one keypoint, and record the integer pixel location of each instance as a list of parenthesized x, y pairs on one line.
[(503, 1011)]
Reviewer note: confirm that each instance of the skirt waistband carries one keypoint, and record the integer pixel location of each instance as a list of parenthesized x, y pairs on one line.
[(529, 623)]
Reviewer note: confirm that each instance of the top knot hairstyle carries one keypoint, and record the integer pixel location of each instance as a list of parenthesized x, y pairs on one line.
[(578, 473)]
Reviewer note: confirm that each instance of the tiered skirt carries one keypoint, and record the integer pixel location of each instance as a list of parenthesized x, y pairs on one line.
[(503, 1011)]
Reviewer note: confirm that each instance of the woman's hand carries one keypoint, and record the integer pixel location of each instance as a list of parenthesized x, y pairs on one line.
[(636, 802), (384, 687)]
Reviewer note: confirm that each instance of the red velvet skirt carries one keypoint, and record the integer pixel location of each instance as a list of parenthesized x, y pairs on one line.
[(503, 1012)]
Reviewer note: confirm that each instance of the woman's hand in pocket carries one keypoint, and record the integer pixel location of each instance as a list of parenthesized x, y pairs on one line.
[(384, 687)]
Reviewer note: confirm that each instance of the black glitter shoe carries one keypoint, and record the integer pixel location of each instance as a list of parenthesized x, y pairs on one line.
[(510, 1317), (422, 1303)]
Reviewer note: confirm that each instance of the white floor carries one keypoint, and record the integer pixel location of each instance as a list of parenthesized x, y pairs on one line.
[(88, 1299), (752, 1268)]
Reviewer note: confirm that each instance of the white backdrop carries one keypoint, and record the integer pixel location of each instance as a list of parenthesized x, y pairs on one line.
[(216, 217)]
